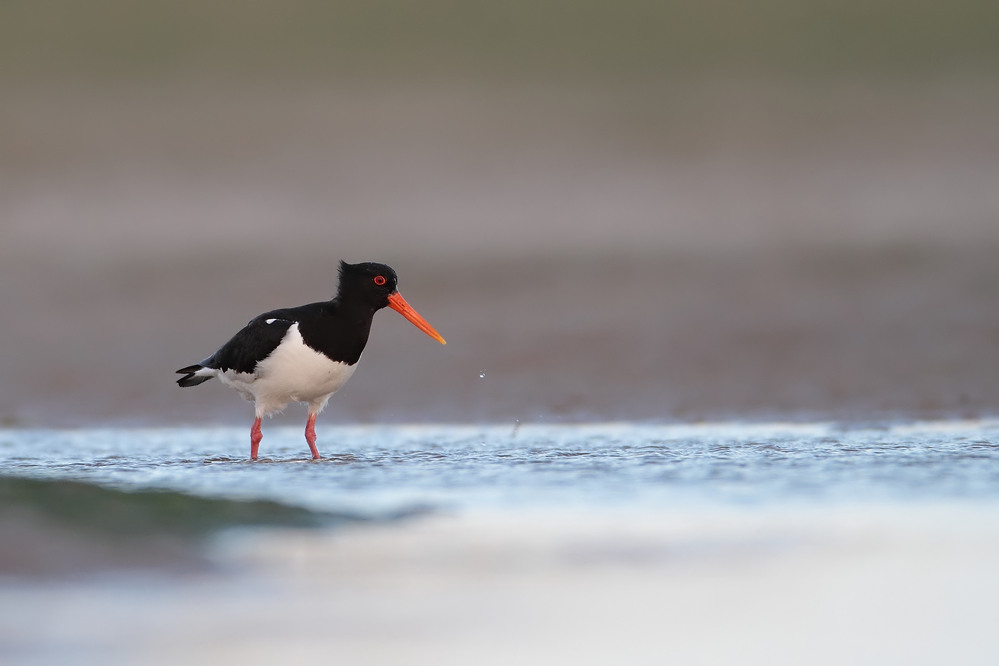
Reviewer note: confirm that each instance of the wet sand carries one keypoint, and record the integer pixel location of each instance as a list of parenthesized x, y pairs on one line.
[(844, 334), (708, 252)]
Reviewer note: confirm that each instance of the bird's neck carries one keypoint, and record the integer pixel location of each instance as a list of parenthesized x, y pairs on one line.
[(343, 333), (352, 308)]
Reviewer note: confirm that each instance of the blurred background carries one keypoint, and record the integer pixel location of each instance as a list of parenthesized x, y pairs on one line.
[(611, 210)]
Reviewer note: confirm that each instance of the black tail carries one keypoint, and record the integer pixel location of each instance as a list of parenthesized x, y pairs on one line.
[(189, 379)]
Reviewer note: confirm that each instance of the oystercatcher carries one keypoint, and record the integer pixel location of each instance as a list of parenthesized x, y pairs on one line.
[(305, 354)]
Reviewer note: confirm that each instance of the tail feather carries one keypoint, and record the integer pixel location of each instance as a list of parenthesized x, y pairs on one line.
[(194, 375)]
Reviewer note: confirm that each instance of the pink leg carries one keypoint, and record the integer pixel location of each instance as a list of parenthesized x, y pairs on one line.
[(255, 437), (310, 436)]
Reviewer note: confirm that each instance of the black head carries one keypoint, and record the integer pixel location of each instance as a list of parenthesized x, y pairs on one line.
[(368, 282), (376, 286)]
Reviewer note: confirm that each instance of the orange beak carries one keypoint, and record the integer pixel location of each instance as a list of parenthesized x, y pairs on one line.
[(399, 304)]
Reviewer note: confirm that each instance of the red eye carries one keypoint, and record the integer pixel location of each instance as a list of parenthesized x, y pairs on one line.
[(379, 280)]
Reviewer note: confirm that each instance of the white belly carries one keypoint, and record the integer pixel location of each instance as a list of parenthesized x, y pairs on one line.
[(292, 373)]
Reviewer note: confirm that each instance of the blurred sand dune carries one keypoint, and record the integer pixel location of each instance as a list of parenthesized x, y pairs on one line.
[(712, 252)]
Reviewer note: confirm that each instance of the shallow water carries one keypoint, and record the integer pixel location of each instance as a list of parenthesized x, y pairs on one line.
[(372, 470), (601, 543)]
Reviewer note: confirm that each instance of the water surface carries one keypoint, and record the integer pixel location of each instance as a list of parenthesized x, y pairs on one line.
[(599, 543), (371, 469)]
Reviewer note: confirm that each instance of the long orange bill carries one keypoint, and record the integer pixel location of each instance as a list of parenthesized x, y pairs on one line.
[(399, 304)]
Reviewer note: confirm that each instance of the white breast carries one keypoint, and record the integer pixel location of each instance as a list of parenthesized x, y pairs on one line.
[(293, 372)]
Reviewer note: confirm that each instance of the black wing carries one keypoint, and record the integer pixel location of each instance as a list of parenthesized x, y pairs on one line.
[(260, 337), (252, 344)]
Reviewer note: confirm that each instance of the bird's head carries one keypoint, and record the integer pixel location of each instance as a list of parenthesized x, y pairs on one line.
[(378, 286)]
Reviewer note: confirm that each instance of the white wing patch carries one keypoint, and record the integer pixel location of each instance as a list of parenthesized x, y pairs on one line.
[(294, 372)]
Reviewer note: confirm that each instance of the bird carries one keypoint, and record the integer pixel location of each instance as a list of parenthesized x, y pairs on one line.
[(306, 353)]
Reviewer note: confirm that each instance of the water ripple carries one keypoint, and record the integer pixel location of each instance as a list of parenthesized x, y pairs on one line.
[(456, 467)]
